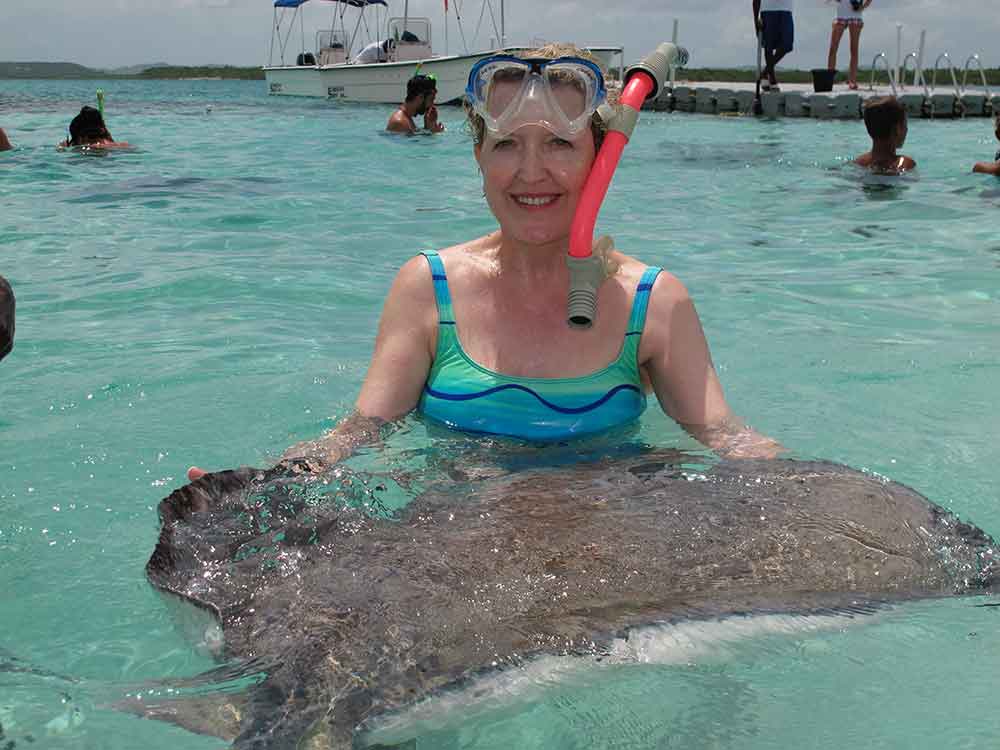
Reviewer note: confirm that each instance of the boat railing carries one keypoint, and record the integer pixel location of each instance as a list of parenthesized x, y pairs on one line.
[(982, 74), (885, 61), (413, 38), (330, 47), (951, 69)]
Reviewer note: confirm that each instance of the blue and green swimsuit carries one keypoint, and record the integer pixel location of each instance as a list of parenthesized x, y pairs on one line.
[(466, 396)]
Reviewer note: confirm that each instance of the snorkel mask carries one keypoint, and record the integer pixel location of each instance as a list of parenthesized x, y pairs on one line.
[(559, 94)]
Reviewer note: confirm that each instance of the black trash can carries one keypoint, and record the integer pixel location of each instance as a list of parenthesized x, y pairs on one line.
[(823, 79)]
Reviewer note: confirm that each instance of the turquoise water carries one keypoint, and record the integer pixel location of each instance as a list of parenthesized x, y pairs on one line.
[(212, 297)]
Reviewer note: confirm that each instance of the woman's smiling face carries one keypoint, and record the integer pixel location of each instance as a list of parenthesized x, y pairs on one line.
[(533, 179)]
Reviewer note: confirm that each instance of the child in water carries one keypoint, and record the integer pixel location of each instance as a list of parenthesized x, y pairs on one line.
[(991, 167), (885, 119), (88, 130)]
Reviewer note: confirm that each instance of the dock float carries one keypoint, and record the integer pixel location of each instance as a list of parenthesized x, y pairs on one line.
[(799, 100)]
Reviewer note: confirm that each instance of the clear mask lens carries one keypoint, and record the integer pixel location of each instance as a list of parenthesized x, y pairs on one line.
[(558, 95)]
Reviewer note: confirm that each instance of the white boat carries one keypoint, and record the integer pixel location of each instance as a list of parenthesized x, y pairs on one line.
[(331, 72), (329, 69)]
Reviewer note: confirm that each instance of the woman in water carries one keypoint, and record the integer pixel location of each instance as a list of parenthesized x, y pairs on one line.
[(849, 16), (87, 130), (991, 167), (476, 336)]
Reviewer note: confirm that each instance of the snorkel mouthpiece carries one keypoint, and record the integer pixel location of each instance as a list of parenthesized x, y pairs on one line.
[(587, 271)]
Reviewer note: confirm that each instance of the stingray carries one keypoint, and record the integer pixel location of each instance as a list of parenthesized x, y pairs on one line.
[(338, 616)]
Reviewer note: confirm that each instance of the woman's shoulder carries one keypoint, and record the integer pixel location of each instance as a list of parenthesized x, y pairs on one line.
[(665, 287)]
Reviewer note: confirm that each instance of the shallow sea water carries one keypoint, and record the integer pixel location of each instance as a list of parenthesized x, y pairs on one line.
[(212, 296)]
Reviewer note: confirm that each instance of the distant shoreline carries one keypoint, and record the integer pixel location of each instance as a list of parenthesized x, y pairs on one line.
[(72, 71)]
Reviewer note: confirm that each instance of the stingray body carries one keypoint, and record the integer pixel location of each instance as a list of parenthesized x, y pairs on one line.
[(351, 616)]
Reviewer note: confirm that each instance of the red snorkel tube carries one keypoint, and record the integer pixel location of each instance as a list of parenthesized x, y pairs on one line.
[(587, 272)]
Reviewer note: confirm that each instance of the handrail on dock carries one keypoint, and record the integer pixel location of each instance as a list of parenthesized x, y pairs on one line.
[(892, 79), (951, 68), (982, 74), (918, 75)]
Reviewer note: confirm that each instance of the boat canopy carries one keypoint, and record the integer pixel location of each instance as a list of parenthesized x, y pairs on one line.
[(354, 3)]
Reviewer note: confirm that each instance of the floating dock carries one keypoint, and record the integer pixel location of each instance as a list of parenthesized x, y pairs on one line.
[(799, 100)]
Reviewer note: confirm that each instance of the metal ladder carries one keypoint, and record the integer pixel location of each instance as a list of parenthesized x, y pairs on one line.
[(960, 108), (892, 77), (982, 75)]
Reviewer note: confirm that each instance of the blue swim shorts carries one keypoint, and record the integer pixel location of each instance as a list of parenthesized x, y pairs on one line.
[(778, 30)]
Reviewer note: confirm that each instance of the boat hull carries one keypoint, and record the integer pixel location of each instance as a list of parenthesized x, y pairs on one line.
[(378, 83)]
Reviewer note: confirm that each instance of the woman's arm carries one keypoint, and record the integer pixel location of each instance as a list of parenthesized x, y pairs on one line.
[(403, 353), (404, 350), (675, 354)]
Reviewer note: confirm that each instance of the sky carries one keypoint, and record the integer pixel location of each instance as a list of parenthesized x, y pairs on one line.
[(113, 33)]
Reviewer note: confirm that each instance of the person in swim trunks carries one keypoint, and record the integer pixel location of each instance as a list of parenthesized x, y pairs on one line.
[(849, 16), (991, 167), (475, 337), (6, 318), (885, 119), (420, 93), (776, 32)]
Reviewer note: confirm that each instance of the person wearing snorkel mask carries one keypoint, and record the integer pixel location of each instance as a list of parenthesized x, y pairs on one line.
[(475, 337), (420, 93), (849, 16), (87, 130)]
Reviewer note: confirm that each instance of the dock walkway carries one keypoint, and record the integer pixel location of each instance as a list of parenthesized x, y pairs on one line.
[(799, 100)]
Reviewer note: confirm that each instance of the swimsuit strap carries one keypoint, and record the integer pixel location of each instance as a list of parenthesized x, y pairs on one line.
[(637, 320), (639, 305), (446, 317)]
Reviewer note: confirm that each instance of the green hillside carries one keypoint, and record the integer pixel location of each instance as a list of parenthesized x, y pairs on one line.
[(159, 70), (45, 70)]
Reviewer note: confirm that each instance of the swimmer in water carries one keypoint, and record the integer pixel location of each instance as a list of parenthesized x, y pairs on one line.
[(87, 130), (420, 93), (475, 337), (885, 119), (991, 167), (6, 318)]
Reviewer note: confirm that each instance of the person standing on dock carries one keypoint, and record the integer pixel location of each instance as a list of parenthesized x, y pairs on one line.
[(848, 17), (776, 33)]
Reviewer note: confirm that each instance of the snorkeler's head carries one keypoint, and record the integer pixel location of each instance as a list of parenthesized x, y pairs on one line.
[(87, 127), (476, 122), (420, 85), (884, 118)]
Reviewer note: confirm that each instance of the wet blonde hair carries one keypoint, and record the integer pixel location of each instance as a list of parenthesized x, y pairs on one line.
[(477, 125)]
